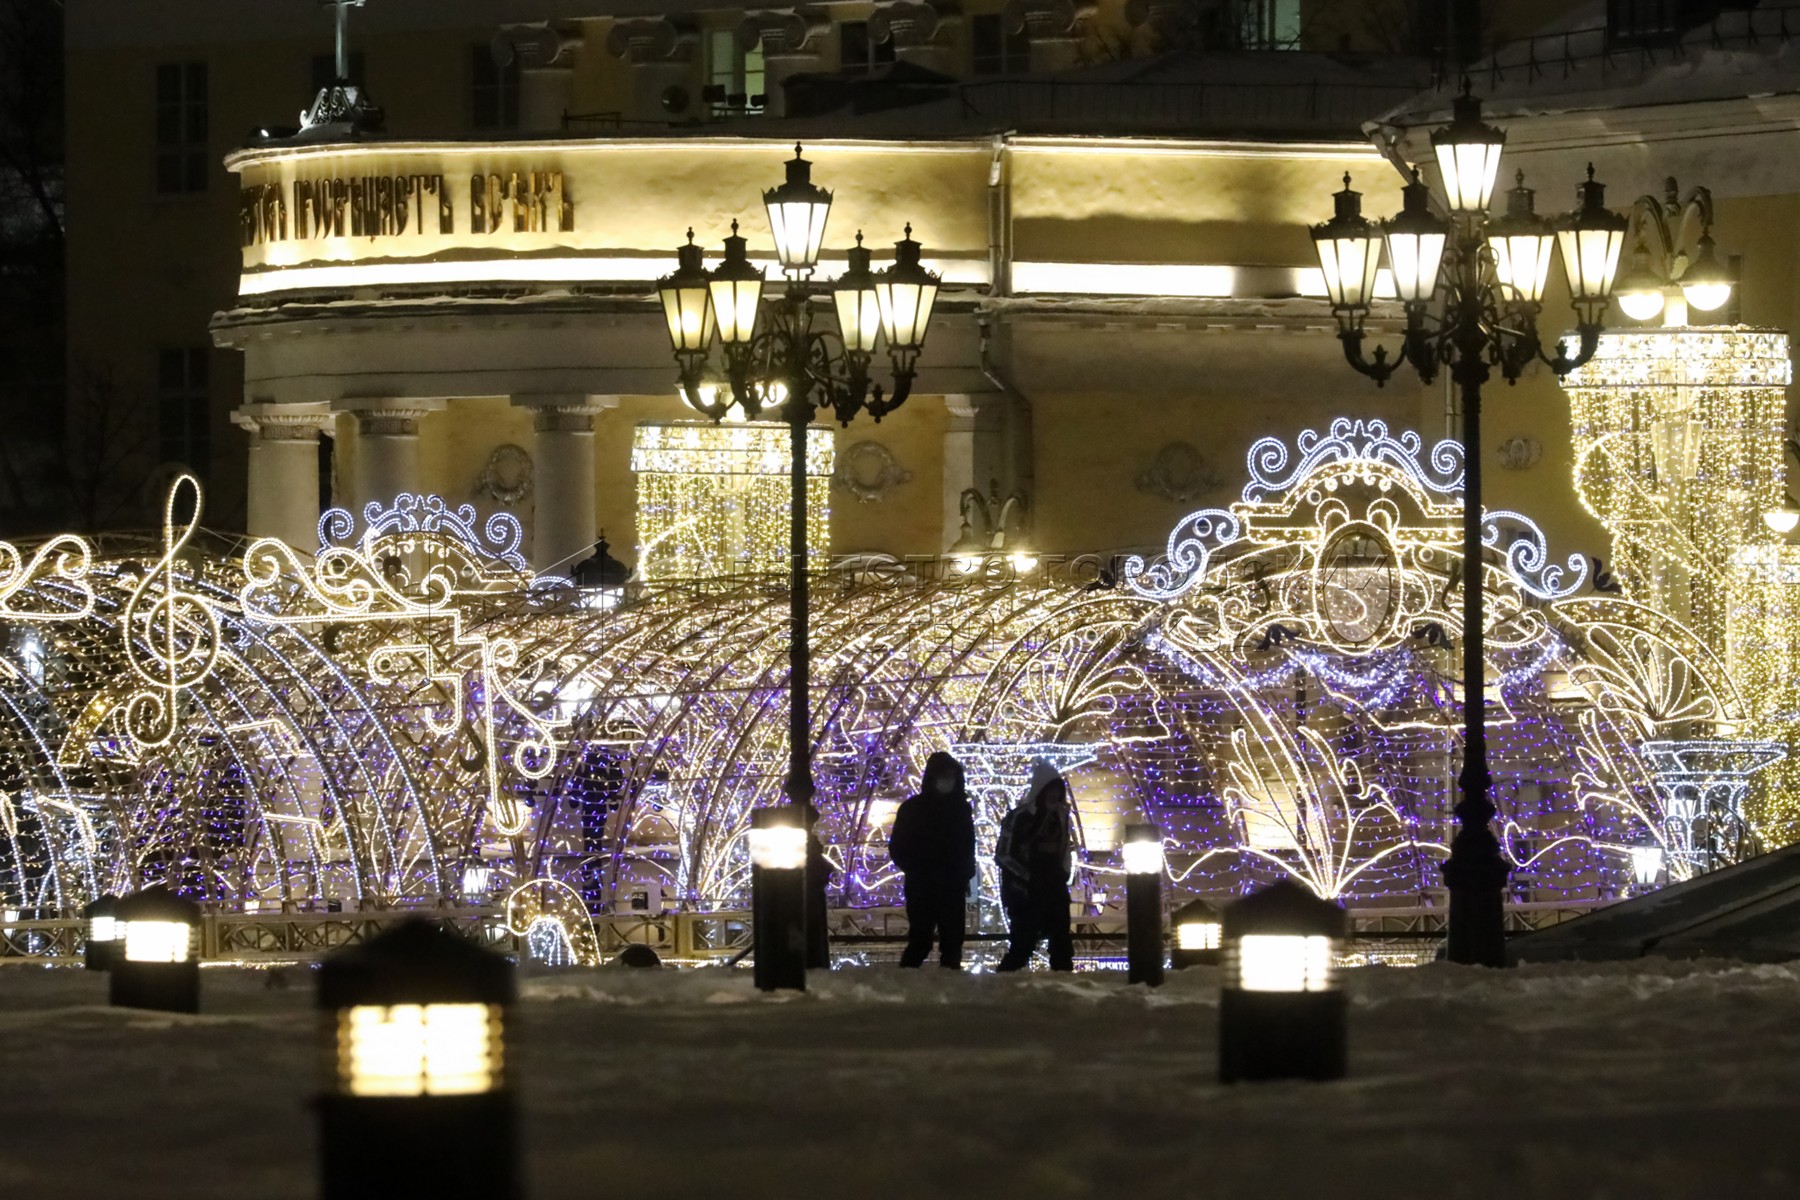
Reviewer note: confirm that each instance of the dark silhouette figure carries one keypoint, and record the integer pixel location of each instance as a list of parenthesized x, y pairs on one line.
[(1036, 853), (933, 844)]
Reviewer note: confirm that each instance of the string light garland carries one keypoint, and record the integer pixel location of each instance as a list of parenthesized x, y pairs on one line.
[(712, 499), (1277, 693)]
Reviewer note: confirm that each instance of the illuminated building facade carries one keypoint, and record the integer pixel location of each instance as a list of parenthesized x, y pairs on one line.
[(1129, 311)]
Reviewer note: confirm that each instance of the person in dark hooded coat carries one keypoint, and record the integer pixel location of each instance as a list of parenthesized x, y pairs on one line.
[(933, 844), (1035, 856)]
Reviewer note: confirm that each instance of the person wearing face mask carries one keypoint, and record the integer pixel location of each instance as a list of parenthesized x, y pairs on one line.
[(933, 845)]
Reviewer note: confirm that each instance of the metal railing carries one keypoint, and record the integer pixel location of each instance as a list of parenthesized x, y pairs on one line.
[(1185, 106), (1560, 55)]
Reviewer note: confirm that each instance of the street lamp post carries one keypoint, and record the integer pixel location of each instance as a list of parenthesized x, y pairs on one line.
[(1472, 287), (777, 355)]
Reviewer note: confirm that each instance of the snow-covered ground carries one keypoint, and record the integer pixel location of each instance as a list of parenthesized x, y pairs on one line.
[(1568, 1082)]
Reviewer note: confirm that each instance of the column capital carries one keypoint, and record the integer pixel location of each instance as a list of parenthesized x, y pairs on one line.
[(784, 32), (967, 409), (387, 417), (910, 23), (536, 47), (1047, 20), (652, 40), (571, 412), (271, 422)]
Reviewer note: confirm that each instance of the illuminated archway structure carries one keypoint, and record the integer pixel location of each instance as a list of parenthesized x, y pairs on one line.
[(408, 716)]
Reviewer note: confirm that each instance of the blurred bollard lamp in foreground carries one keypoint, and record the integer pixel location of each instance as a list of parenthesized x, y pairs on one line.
[(778, 896), (1143, 855), (1196, 926), (102, 932), (1281, 1013), (155, 962), (418, 1098)]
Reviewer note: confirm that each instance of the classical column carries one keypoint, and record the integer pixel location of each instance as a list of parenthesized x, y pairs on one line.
[(789, 42), (564, 524), (546, 61), (660, 53), (386, 458), (922, 33), (1055, 28), (283, 499)]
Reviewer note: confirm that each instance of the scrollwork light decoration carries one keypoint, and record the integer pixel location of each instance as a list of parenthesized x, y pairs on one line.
[(64, 561), (171, 631)]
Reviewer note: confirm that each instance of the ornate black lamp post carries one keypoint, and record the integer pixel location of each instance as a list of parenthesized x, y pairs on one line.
[(1472, 286), (780, 359)]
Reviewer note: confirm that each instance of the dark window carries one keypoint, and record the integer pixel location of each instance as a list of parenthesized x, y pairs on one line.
[(1269, 24), (857, 54), (183, 408), (181, 164), (1647, 22), (735, 76), (996, 51), (493, 90), (324, 70)]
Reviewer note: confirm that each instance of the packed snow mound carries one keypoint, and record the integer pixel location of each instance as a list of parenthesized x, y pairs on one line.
[(1641, 1079)]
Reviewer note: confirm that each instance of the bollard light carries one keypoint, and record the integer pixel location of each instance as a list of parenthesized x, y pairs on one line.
[(1143, 854), (1196, 926), (1281, 1013), (778, 897), (417, 1098), (154, 959), (102, 932)]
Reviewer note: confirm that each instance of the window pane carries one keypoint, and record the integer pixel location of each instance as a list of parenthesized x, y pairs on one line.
[(171, 371)]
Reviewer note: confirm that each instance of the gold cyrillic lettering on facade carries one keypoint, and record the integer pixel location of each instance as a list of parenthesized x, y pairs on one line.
[(394, 205)]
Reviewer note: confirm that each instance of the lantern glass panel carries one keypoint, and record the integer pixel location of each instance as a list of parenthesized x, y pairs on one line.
[(1197, 935), (1646, 864), (1284, 963), (799, 229), (157, 941), (1142, 858), (1591, 259), (419, 1049), (859, 317), (734, 306), (778, 847), (1468, 170), (688, 309), (905, 309), (1414, 259), (103, 929), (1522, 265), (1349, 265)]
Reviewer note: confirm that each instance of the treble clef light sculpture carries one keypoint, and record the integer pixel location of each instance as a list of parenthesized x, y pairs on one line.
[(171, 633)]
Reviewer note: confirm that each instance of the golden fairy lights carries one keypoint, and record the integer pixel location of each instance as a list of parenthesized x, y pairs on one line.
[(1678, 451), (713, 499)]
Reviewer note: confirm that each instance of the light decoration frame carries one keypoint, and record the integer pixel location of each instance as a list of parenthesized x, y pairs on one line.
[(713, 499), (332, 719)]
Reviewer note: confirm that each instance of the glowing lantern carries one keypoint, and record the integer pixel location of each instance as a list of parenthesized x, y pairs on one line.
[(1591, 238), (1782, 520), (736, 288), (1143, 854), (415, 1040), (1349, 249), (1415, 244), (1281, 1013), (797, 213), (1522, 244), (1468, 157), (858, 302), (778, 896), (154, 964), (102, 933), (687, 302), (1646, 865), (1196, 925), (906, 293), (1705, 283)]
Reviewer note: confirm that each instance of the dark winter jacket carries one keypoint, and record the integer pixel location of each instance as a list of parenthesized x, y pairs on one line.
[(934, 833)]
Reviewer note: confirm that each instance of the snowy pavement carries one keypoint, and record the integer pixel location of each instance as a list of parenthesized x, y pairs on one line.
[(1566, 1082)]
